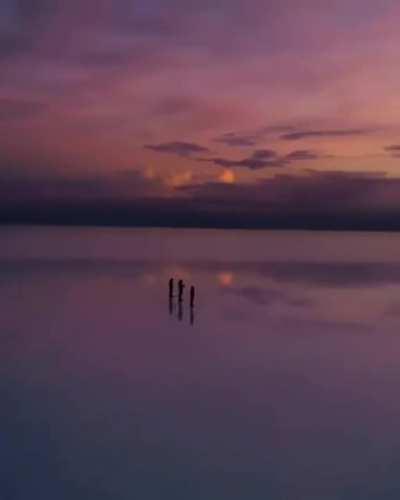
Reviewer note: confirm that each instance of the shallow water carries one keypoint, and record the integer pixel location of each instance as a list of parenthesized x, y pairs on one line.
[(282, 382)]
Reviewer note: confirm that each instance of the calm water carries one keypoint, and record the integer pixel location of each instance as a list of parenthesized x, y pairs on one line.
[(286, 385)]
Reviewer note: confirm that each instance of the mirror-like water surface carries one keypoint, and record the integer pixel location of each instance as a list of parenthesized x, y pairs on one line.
[(282, 382)]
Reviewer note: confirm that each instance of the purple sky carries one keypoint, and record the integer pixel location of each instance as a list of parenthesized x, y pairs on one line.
[(256, 103)]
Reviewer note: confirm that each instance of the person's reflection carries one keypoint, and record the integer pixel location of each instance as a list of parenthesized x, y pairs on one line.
[(174, 305), (192, 295), (180, 310), (192, 316), (171, 306)]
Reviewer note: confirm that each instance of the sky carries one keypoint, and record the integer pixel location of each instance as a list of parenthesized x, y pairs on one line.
[(251, 113)]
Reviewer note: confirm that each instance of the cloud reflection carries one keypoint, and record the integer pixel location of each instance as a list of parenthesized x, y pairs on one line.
[(225, 279), (268, 296)]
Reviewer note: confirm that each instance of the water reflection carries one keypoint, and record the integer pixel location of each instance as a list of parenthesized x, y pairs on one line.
[(180, 310), (225, 278), (171, 306), (288, 389), (180, 303), (192, 316)]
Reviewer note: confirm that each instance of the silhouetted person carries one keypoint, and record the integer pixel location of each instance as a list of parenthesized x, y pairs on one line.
[(171, 305), (181, 286), (171, 287), (180, 311), (192, 294)]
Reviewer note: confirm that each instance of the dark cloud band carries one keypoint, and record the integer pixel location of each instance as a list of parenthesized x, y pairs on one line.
[(309, 134), (178, 148)]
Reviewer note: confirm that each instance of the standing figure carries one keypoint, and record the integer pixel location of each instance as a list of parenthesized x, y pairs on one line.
[(192, 294), (181, 286), (171, 287)]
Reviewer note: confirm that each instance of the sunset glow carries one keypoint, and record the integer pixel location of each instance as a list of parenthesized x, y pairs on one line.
[(159, 101)]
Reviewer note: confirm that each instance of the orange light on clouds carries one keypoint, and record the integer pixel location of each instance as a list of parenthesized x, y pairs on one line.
[(180, 179), (227, 177), (149, 173)]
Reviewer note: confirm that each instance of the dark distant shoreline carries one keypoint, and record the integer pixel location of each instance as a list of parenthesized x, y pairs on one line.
[(286, 226), (185, 213)]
